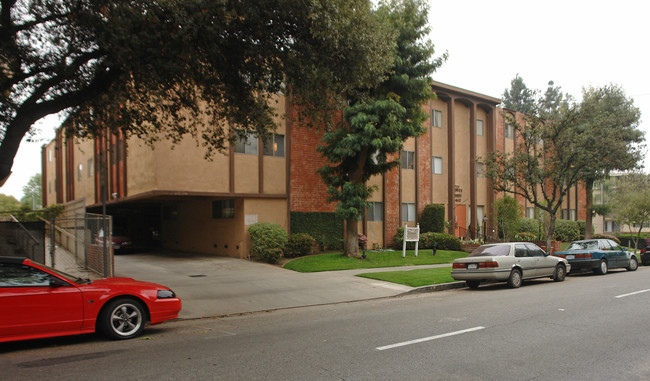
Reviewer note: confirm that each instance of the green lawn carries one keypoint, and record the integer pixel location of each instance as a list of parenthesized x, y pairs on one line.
[(336, 261), (414, 278)]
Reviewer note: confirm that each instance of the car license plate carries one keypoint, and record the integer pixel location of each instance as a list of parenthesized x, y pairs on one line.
[(472, 266), (570, 256)]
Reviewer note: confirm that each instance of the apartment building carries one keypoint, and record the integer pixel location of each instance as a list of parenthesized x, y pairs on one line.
[(192, 204)]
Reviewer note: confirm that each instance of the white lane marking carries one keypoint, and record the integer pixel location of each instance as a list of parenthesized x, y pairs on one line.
[(429, 338), (632, 293)]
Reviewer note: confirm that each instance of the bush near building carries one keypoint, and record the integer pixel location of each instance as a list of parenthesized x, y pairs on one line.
[(299, 245), (429, 240), (432, 219), (268, 241), (566, 230)]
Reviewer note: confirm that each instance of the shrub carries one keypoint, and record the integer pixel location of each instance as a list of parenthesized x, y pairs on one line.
[(325, 227), (566, 230), (525, 236), (432, 218), (266, 237), (299, 245), (582, 225), (442, 241), (532, 226), (607, 236), (269, 255)]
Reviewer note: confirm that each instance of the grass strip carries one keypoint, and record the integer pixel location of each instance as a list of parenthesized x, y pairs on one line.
[(414, 278), (374, 259)]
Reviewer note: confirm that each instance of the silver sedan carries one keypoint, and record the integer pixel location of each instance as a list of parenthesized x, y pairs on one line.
[(511, 262)]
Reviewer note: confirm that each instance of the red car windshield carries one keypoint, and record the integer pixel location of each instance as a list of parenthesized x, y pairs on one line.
[(491, 251)]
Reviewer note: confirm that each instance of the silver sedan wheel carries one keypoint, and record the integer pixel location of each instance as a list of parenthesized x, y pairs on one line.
[(514, 281)]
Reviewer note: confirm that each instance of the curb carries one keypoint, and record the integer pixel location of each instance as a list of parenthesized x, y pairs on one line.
[(436, 287)]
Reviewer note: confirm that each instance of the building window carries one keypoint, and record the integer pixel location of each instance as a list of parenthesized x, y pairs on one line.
[(49, 155), (247, 144), (274, 146), (408, 212), (510, 132), (437, 165), (223, 208), (530, 212), (479, 127), (572, 214), (480, 170), (80, 171), (90, 167), (436, 118), (408, 160), (375, 211)]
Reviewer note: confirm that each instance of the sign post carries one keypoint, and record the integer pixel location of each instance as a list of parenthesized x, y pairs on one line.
[(411, 235)]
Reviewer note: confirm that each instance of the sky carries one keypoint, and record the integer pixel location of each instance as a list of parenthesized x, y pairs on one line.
[(575, 43)]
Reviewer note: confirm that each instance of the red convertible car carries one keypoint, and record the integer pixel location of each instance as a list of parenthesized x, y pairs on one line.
[(37, 302)]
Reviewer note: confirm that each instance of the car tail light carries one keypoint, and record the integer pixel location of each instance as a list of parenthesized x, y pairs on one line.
[(559, 255), (458, 266), (583, 256), (488, 264)]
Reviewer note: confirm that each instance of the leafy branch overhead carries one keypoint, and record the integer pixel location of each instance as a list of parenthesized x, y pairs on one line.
[(164, 70)]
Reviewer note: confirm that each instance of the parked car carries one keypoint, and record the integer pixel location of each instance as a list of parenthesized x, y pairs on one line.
[(38, 302), (645, 252), (120, 240), (510, 262), (598, 255)]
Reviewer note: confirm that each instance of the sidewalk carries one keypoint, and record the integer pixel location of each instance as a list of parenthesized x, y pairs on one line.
[(217, 286)]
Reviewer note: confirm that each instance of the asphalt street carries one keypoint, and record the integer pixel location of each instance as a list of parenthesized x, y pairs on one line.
[(586, 328)]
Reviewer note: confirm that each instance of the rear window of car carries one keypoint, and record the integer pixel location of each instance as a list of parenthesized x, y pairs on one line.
[(492, 251), (583, 245)]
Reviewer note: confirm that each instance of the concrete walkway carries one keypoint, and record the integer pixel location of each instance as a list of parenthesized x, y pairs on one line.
[(217, 286)]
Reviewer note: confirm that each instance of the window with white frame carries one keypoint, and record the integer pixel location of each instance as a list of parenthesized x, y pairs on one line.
[(247, 144), (274, 145), (408, 211), (375, 211), (80, 171), (479, 127), (408, 159), (480, 169), (436, 118), (436, 168), (565, 214)]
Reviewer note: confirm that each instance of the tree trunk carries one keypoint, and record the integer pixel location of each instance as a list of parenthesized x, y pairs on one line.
[(589, 187), (550, 231), (351, 239)]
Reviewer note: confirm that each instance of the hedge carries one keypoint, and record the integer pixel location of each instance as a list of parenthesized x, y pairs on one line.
[(268, 241), (429, 240), (432, 219), (324, 227), (566, 230)]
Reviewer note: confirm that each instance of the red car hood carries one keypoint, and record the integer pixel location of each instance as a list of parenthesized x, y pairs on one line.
[(126, 282)]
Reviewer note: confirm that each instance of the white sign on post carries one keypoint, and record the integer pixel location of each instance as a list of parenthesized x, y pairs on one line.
[(411, 235)]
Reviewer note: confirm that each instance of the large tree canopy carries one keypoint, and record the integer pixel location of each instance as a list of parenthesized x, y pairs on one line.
[(380, 119), (164, 69)]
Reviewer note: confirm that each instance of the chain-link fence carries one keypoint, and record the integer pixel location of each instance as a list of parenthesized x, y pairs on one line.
[(80, 242), (26, 239)]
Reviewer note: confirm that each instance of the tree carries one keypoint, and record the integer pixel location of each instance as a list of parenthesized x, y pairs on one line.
[(508, 214), (32, 192), (519, 97), (611, 138), (167, 69), (9, 203), (542, 168), (630, 202), (379, 119), (553, 101)]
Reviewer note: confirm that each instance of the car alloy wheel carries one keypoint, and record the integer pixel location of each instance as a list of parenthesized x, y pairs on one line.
[(560, 273), (634, 264), (514, 280), (122, 319), (602, 268)]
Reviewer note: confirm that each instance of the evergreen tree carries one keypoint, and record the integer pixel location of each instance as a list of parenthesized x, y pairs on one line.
[(379, 119), (519, 97)]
